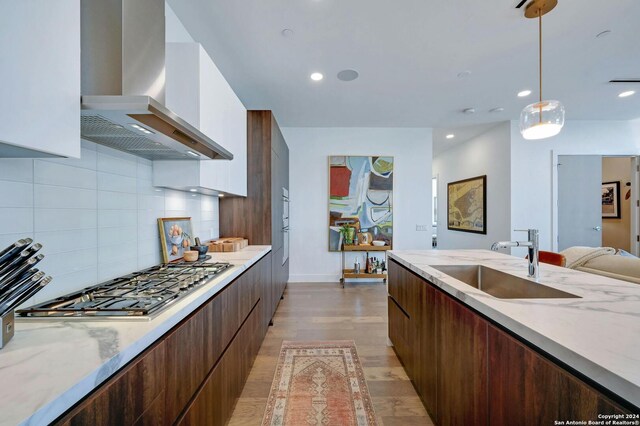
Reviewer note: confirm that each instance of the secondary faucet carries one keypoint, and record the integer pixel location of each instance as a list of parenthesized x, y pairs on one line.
[(532, 245)]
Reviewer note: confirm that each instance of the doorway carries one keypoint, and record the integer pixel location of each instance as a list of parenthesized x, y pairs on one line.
[(597, 202)]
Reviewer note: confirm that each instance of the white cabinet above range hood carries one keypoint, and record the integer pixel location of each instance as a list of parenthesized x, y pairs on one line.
[(123, 84), (197, 90)]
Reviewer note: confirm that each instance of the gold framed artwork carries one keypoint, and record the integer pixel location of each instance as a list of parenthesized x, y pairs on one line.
[(467, 205), (176, 236)]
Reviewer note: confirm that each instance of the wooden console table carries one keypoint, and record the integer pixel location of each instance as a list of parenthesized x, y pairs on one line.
[(350, 273)]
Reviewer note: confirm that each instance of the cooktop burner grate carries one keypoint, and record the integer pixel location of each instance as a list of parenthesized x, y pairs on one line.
[(139, 294)]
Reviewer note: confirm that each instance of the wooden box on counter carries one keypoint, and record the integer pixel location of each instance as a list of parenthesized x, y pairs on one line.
[(227, 244)]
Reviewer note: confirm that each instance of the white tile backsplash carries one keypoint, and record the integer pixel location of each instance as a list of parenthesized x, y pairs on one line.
[(16, 194), (64, 219), (16, 220), (61, 174), (66, 241), (116, 183), (117, 164), (16, 169), (96, 217), (61, 197), (108, 200), (117, 218)]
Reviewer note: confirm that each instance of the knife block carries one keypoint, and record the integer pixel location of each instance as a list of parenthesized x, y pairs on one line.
[(7, 328)]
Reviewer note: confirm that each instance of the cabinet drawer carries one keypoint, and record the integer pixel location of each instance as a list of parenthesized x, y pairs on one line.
[(400, 334), (214, 404), (128, 398), (196, 345)]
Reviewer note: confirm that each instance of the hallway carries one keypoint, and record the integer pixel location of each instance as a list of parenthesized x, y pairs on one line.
[(324, 311)]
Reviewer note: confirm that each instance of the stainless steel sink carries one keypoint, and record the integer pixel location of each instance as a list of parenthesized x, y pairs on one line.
[(501, 285)]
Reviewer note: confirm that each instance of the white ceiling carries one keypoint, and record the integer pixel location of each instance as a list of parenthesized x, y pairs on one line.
[(409, 55)]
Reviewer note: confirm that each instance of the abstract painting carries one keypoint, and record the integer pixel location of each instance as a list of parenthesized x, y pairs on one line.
[(175, 237), (467, 205), (611, 200), (360, 195)]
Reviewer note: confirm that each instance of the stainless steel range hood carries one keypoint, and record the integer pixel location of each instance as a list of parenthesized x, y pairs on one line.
[(123, 84)]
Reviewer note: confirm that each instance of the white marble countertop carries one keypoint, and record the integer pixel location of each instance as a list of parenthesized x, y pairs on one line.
[(597, 334), (50, 365)]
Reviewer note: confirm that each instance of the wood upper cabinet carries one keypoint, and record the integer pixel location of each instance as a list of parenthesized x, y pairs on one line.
[(133, 396), (258, 217), (462, 364), (528, 389), (40, 75)]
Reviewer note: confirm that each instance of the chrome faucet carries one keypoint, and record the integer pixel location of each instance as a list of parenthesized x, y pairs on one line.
[(532, 245)]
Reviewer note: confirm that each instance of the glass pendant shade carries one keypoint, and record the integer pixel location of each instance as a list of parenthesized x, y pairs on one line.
[(541, 120)]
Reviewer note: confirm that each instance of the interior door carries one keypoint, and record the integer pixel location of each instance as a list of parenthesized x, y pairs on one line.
[(579, 201)]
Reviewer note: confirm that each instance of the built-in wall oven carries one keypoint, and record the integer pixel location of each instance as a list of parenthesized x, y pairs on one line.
[(285, 224)]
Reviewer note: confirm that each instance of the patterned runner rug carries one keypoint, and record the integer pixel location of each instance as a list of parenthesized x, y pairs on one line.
[(319, 383)]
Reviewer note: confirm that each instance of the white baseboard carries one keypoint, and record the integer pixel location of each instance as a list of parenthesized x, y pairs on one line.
[(314, 278), (325, 278)]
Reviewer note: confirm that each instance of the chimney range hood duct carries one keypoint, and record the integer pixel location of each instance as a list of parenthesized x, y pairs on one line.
[(123, 84)]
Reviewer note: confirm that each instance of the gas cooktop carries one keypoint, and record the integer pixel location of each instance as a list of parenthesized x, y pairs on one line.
[(140, 295)]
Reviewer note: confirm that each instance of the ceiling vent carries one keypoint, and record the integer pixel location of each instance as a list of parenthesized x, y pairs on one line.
[(625, 80)]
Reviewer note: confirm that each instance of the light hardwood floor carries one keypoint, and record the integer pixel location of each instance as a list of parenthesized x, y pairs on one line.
[(325, 311)]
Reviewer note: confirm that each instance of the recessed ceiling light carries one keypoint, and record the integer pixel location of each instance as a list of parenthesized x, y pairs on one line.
[(316, 76), (450, 136), (626, 94), (464, 74), (220, 195), (193, 190), (603, 33), (469, 110), (194, 195), (287, 32), (348, 75), (494, 110), (524, 93)]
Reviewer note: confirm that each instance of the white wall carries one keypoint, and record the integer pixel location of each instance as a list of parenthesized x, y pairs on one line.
[(532, 168), (175, 31), (309, 150), (96, 217), (487, 154)]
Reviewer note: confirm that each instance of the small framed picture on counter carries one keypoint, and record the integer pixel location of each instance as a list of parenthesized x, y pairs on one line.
[(176, 236), (611, 200)]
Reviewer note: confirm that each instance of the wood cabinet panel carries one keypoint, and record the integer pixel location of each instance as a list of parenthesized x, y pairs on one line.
[(468, 371), (214, 404), (400, 336), (528, 389), (192, 350), (462, 364), (412, 329), (426, 363), (127, 398)]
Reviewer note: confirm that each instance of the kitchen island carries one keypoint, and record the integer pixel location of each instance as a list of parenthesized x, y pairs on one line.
[(474, 356), (51, 366)]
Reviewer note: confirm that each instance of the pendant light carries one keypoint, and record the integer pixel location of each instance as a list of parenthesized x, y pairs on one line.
[(542, 119)]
